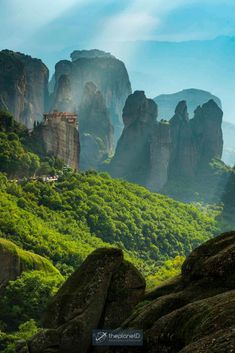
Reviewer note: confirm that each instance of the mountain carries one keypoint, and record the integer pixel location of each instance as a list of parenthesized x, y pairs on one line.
[(194, 97), (93, 84), (176, 152), (23, 86), (105, 71), (196, 309)]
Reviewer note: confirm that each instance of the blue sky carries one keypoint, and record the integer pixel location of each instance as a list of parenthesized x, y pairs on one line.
[(51, 29)]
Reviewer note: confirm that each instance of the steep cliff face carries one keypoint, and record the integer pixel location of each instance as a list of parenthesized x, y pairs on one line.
[(132, 157), (183, 157), (61, 140), (23, 86), (63, 96), (207, 132), (106, 72), (155, 154), (96, 130), (160, 153)]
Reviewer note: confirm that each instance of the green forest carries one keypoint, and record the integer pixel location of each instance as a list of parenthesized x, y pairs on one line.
[(51, 226)]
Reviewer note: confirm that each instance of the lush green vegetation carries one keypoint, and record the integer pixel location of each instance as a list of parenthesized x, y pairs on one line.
[(64, 221), (26, 297), (28, 261), (22, 153)]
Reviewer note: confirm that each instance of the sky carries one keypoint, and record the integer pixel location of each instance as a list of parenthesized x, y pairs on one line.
[(51, 30)]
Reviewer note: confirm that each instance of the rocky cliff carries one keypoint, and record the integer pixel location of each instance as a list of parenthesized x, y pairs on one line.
[(193, 97), (60, 139), (192, 313), (154, 153), (105, 71), (23, 86), (96, 130), (132, 157)]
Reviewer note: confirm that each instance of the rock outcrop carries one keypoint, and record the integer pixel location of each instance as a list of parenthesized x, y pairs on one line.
[(13, 261), (63, 97), (153, 153), (101, 293), (60, 137), (194, 312), (194, 97), (23, 86), (132, 157), (96, 131), (106, 72)]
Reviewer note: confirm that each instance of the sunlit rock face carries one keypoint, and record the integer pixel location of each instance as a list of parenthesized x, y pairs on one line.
[(23, 86), (153, 153), (106, 72), (60, 137)]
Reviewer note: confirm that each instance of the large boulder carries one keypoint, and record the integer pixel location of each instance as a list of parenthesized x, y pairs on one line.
[(193, 313), (101, 293)]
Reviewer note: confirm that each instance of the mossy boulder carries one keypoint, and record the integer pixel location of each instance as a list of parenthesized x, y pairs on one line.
[(101, 293), (193, 313), (214, 260), (14, 261)]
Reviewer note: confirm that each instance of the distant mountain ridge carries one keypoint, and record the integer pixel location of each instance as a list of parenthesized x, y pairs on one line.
[(195, 97)]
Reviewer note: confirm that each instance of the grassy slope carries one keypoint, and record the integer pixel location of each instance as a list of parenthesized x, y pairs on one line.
[(29, 261)]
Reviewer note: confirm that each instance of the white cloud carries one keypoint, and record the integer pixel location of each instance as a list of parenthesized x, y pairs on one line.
[(137, 21)]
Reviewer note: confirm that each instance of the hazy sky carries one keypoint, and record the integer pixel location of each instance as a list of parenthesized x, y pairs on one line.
[(51, 29)]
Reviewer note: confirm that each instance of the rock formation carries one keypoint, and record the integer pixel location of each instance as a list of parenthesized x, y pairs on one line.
[(13, 261), (191, 313), (60, 137), (96, 131), (23, 86), (106, 72), (193, 97), (101, 293), (63, 97), (153, 153), (132, 157)]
